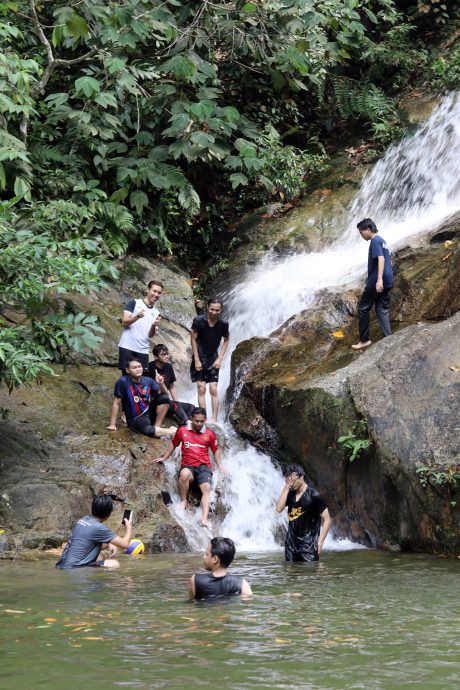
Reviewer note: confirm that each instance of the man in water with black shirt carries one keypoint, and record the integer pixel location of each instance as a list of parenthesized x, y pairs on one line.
[(207, 333), (309, 519), (218, 582)]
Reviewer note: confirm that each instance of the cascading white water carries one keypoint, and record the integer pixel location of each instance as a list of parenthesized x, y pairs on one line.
[(410, 190)]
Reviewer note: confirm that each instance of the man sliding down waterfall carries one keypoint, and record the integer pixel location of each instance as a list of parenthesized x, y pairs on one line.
[(309, 519), (196, 441), (378, 285)]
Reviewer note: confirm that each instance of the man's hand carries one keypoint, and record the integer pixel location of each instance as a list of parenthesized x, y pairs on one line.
[(379, 286), (217, 364), (157, 321), (160, 459), (112, 427), (223, 471), (140, 314), (198, 365), (159, 378), (290, 480)]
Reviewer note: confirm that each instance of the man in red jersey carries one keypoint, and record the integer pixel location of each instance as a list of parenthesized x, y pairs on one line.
[(196, 441)]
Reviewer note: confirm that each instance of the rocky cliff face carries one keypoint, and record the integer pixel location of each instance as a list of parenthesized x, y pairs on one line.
[(56, 453), (303, 388)]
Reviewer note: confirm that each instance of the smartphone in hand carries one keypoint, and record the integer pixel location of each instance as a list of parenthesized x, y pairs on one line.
[(126, 516)]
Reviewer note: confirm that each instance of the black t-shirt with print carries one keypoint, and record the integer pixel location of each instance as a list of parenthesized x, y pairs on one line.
[(304, 527)]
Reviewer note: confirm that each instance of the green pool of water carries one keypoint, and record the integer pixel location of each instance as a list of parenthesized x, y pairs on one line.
[(357, 619)]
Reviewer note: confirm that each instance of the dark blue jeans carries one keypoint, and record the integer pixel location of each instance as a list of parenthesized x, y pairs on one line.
[(382, 309)]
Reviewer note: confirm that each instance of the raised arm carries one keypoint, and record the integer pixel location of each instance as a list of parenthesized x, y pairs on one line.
[(326, 523), (153, 327), (281, 503), (123, 542), (129, 318)]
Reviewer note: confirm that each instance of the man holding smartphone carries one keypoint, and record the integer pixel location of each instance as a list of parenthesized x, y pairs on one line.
[(89, 536), (140, 320)]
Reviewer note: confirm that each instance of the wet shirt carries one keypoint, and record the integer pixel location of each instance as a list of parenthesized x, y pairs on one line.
[(167, 372), (304, 525), (208, 587), (136, 336), (135, 397), (209, 337), (85, 542), (378, 248), (195, 446)]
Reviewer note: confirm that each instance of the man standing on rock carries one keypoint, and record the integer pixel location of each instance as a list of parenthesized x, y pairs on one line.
[(207, 332), (378, 285), (309, 519), (196, 441), (140, 320), (145, 402)]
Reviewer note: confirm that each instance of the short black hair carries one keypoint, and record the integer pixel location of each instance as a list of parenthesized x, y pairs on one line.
[(159, 349), (224, 549), (132, 359), (294, 469), (102, 506), (198, 410), (215, 300), (155, 282), (367, 224)]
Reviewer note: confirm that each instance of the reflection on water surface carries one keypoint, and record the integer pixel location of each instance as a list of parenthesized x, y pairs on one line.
[(357, 619)]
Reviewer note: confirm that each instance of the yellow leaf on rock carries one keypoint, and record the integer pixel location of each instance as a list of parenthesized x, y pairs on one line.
[(338, 334), (455, 367), (274, 365), (447, 244)]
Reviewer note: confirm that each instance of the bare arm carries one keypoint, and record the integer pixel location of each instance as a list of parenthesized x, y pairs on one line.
[(168, 452), (218, 363), (281, 503), (218, 459), (196, 356), (123, 542), (326, 523), (129, 318), (246, 590), (114, 414), (192, 586), (380, 267), (153, 327)]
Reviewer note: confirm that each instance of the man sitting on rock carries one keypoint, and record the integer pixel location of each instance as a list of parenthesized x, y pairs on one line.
[(217, 582), (89, 536), (196, 441), (160, 370), (143, 406)]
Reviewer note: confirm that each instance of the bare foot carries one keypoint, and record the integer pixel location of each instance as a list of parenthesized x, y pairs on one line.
[(183, 505), (361, 346)]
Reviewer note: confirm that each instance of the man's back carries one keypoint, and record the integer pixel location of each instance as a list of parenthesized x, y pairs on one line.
[(207, 586), (85, 543)]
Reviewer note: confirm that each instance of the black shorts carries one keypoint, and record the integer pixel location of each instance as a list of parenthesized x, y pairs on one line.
[(124, 354), (210, 375), (143, 425), (201, 474), (300, 556)]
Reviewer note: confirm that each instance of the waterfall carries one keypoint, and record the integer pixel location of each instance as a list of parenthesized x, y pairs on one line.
[(410, 190)]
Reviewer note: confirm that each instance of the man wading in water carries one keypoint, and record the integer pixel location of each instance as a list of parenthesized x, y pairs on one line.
[(309, 519)]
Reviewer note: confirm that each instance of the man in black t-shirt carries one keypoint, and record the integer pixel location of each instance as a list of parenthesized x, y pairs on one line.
[(161, 370), (207, 333), (309, 519)]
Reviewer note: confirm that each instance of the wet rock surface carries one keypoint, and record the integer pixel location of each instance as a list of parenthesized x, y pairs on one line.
[(56, 452), (308, 388)]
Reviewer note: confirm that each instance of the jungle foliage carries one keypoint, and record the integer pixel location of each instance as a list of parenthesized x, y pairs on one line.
[(140, 123)]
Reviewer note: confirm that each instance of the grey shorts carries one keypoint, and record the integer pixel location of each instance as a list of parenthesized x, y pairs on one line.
[(201, 474)]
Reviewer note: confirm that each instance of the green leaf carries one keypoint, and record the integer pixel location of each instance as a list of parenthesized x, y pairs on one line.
[(249, 8), (88, 86), (139, 200), (238, 179), (77, 26), (106, 99)]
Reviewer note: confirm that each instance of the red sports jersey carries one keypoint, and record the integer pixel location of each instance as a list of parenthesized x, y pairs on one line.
[(195, 446)]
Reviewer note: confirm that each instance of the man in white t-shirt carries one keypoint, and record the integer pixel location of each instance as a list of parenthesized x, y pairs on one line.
[(140, 320)]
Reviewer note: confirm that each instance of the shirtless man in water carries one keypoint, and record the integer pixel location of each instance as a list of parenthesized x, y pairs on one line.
[(196, 441)]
